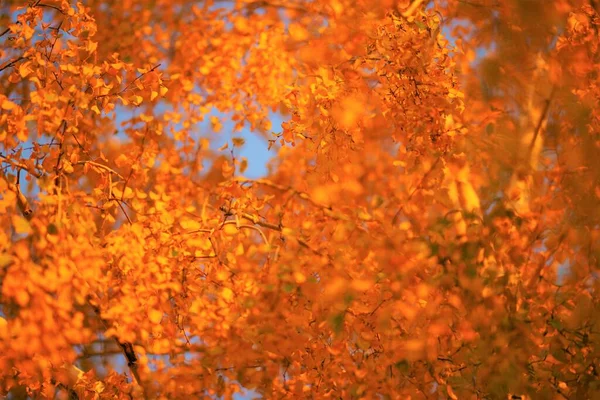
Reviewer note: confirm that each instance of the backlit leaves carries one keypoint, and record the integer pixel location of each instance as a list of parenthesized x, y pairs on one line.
[(428, 223)]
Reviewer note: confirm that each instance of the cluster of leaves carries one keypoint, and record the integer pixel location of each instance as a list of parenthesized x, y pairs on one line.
[(428, 227)]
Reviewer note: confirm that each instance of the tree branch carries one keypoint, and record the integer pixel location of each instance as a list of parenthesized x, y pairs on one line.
[(21, 166), (71, 392), (126, 349), (416, 189), (11, 63), (540, 122), (22, 201)]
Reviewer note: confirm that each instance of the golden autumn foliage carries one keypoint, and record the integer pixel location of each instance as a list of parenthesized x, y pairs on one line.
[(429, 226)]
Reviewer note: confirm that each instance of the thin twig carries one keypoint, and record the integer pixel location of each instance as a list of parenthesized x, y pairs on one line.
[(21, 166), (470, 3), (255, 219), (50, 6), (416, 189), (101, 166), (52, 48), (72, 393), (10, 64), (22, 202), (127, 350), (129, 84), (118, 201), (248, 227), (298, 8), (302, 195), (543, 116), (242, 367)]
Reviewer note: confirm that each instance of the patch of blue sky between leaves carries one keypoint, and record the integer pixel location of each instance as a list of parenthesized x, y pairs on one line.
[(255, 148)]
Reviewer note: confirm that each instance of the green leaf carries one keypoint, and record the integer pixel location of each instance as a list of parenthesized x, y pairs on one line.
[(421, 25), (337, 322), (348, 298), (555, 324), (288, 287), (52, 229), (402, 366), (435, 248)]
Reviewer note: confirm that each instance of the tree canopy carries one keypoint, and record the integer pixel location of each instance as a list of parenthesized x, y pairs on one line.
[(428, 227)]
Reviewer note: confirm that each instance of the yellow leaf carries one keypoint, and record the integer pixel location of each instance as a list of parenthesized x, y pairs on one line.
[(91, 46), (188, 85), (335, 288), (190, 224), (67, 167), (350, 110), (99, 387), (414, 347), (200, 242), (5, 259), (122, 161), (299, 277), (365, 216), (227, 294), (230, 229), (24, 69), (453, 93), (451, 392), (216, 124), (126, 194), (563, 385), (361, 285), (361, 373), (155, 316), (22, 298), (21, 225), (136, 100), (239, 250), (486, 292), (3, 327), (238, 142), (117, 65), (8, 105), (337, 7), (243, 165), (323, 194), (298, 32), (469, 200), (88, 70), (146, 117)]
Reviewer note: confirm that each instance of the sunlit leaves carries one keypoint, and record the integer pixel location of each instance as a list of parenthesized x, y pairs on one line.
[(21, 225), (428, 224), (298, 32)]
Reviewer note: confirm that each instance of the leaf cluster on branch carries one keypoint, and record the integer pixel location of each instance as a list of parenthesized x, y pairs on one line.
[(428, 227)]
